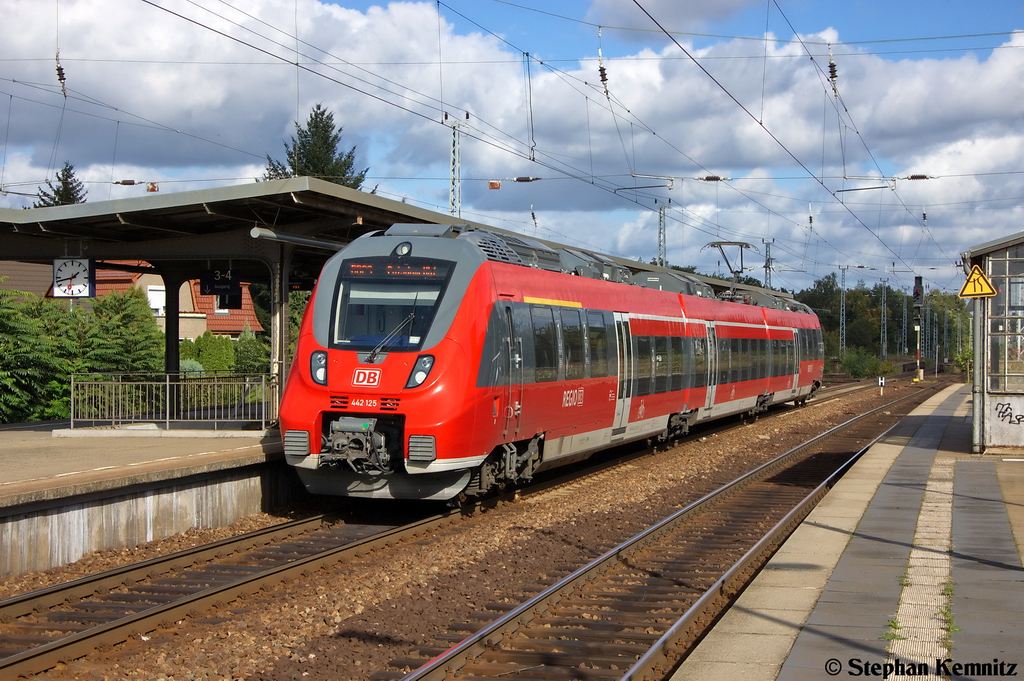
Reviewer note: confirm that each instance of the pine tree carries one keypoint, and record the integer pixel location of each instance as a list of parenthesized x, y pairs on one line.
[(314, 152), (69, 189)]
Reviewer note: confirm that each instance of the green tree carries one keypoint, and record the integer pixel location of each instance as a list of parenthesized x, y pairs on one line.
[(297, 303), (187, 350), (66, 325), (252, 356), (69, 189), (125, 337), (215, 353), (314, 152), (25, 359), (190, 368)]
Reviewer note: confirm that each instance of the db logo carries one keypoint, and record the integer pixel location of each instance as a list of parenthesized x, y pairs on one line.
[(366, 377)]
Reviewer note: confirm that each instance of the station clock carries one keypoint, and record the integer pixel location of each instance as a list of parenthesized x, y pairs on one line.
[(74, 278)]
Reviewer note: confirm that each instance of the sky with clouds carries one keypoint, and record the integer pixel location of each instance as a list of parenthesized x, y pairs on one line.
[(196, 93)]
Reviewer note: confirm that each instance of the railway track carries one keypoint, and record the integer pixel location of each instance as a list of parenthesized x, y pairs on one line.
[(634, 612), (41, 629)]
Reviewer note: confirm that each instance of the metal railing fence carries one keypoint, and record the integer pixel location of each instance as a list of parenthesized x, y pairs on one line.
[(221, 400)]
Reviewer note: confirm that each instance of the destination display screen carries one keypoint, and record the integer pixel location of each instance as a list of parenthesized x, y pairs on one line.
[(394, 268)]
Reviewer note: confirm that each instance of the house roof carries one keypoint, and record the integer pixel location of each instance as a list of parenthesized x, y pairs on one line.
[(26, 276), (226, 321)]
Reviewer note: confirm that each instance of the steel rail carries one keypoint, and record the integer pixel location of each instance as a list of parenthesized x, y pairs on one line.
[(76, 645), (446, 665), (128, 575), (663, 656)]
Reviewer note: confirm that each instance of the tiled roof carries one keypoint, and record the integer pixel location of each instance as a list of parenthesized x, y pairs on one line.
[(226, 321), (38, 279), (113, 280)]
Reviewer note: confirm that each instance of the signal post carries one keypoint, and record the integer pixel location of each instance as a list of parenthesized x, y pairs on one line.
[(918, 302)]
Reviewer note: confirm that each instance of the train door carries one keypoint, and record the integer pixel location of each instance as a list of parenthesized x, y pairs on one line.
[(797, 342), (514, 389), (712, 377), (625, 389)]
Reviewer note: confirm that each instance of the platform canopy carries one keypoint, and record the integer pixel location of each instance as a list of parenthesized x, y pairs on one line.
[(183, 234)]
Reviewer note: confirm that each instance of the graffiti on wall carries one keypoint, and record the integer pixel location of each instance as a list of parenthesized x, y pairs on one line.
[(1004, 410)]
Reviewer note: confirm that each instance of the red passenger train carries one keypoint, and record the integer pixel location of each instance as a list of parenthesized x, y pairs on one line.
[(436, 361)]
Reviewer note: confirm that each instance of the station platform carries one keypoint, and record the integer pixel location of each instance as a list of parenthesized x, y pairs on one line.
[(910, 567), (42, 462), (63, 495)]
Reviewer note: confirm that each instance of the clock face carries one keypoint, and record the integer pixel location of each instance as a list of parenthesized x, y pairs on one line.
[(72, 278)]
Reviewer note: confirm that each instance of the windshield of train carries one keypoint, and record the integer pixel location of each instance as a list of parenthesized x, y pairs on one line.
[(387, 304)]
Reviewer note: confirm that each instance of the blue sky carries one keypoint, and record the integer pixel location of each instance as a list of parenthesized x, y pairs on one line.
[(567, 30), (194, 94)]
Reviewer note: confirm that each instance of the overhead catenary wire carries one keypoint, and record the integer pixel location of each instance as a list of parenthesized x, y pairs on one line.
[(561, 164), (832, 78), (772, 135)]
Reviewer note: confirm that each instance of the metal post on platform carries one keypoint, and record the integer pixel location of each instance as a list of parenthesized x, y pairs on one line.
[(918, 301), (919, 374), (978, 389)]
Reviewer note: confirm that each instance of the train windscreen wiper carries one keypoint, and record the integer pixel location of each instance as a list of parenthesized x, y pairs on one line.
[(372, 357)]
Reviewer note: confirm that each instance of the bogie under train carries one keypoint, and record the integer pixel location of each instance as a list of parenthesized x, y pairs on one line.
[(436, 361)]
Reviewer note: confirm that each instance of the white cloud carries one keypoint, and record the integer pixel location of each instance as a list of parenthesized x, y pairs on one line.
[(674, 15), (153, 97)]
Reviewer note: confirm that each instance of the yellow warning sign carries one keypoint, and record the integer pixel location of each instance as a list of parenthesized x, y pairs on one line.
[(977, 285)]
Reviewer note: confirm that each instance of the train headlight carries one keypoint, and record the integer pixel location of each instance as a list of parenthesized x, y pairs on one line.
[(420, 371), (318, 366)]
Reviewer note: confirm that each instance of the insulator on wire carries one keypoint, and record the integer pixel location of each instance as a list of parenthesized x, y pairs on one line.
[(833, 71), (61, 78)]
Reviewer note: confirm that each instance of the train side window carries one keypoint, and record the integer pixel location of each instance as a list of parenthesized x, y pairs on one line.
[(661, 364), (700, 361), (597, 337), (572, 344), (643, 365), (522, 343), (495, 361), (545, 344), (677, 368), (724, 360), (744, 357), (736, 347), (737, 360)]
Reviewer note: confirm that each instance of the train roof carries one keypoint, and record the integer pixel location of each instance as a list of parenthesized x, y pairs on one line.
[(520, 250)]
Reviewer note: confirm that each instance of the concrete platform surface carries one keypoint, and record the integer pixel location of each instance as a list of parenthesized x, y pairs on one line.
[(36, 466), (913, 560)]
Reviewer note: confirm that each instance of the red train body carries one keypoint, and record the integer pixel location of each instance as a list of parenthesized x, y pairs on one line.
[(431, 366)]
